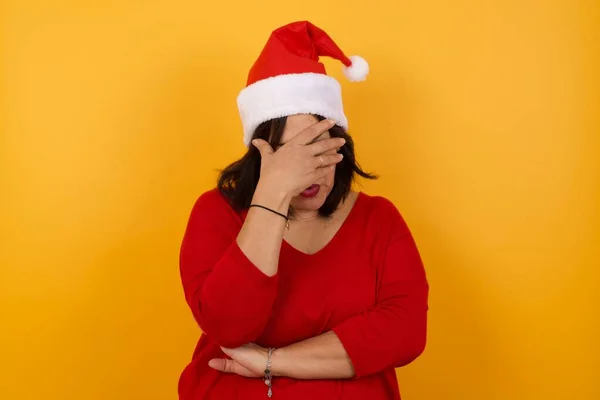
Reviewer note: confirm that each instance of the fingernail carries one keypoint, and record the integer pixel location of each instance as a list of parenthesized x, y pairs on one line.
[(331, 121), (254, 142)]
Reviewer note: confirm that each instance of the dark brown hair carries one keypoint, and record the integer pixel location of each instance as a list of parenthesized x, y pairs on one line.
[(237, 182)]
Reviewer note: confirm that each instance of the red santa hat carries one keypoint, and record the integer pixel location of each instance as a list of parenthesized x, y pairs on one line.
[(287, 78)]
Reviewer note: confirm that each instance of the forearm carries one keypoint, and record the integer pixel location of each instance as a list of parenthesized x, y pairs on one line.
[(235, 300), (321, 357), (230, 278), (262, 233)]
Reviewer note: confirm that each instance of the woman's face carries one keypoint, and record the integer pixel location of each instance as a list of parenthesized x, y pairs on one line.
[(313, 197)]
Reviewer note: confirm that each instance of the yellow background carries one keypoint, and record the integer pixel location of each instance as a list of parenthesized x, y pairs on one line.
[(480, 116)]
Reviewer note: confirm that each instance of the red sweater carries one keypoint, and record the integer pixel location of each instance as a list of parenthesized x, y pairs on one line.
[(368, 285)]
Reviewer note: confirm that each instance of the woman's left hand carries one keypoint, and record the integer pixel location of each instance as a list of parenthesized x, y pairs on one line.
[(249, 361)]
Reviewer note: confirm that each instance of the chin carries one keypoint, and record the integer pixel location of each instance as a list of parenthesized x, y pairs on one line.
[(309, 203)]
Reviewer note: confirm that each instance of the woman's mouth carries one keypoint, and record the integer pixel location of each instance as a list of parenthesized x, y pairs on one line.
[(311, 191)]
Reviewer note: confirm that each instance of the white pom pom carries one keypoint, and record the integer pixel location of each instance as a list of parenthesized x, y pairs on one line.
[(359, 69)]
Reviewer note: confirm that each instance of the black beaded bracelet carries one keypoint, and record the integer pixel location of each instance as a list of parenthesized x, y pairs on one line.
[(287, 220)]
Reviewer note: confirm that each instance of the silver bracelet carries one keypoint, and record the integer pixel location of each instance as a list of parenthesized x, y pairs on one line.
[(269, 373)]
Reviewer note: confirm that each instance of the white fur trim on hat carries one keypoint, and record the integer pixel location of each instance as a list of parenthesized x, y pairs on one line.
[(285, 95)]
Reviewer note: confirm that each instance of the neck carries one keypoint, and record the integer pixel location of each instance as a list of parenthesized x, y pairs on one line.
[(305, 215)]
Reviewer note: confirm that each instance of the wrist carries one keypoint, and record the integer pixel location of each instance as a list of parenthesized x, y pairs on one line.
[(269, 195), (278, 362)]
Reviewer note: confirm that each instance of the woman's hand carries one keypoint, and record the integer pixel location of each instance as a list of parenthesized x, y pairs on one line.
[(300, 162), (249, 361)]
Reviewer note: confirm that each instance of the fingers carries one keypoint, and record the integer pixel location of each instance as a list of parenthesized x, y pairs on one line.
[(227, 351), (223, 365), (325, 145), (232, 367), (321, 172), (313, 131), (325, 160), (263, 147)]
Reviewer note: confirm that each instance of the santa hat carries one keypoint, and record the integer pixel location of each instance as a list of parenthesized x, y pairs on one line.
[(287, 78)]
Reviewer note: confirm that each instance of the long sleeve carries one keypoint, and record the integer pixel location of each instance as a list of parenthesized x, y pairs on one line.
[(393, 332), (229, 297)]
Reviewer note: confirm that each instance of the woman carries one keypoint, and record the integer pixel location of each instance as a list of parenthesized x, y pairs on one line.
[(304, 289)]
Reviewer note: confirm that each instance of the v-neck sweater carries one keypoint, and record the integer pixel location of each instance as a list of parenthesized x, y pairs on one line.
[(367, 285)]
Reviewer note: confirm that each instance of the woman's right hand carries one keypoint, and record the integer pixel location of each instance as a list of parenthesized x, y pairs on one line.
[(300, 162)]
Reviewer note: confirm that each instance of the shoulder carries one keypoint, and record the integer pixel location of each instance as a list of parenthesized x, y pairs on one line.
[(211, 198), (212, 204), (212, 224), (379, 206), (382, 214)]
